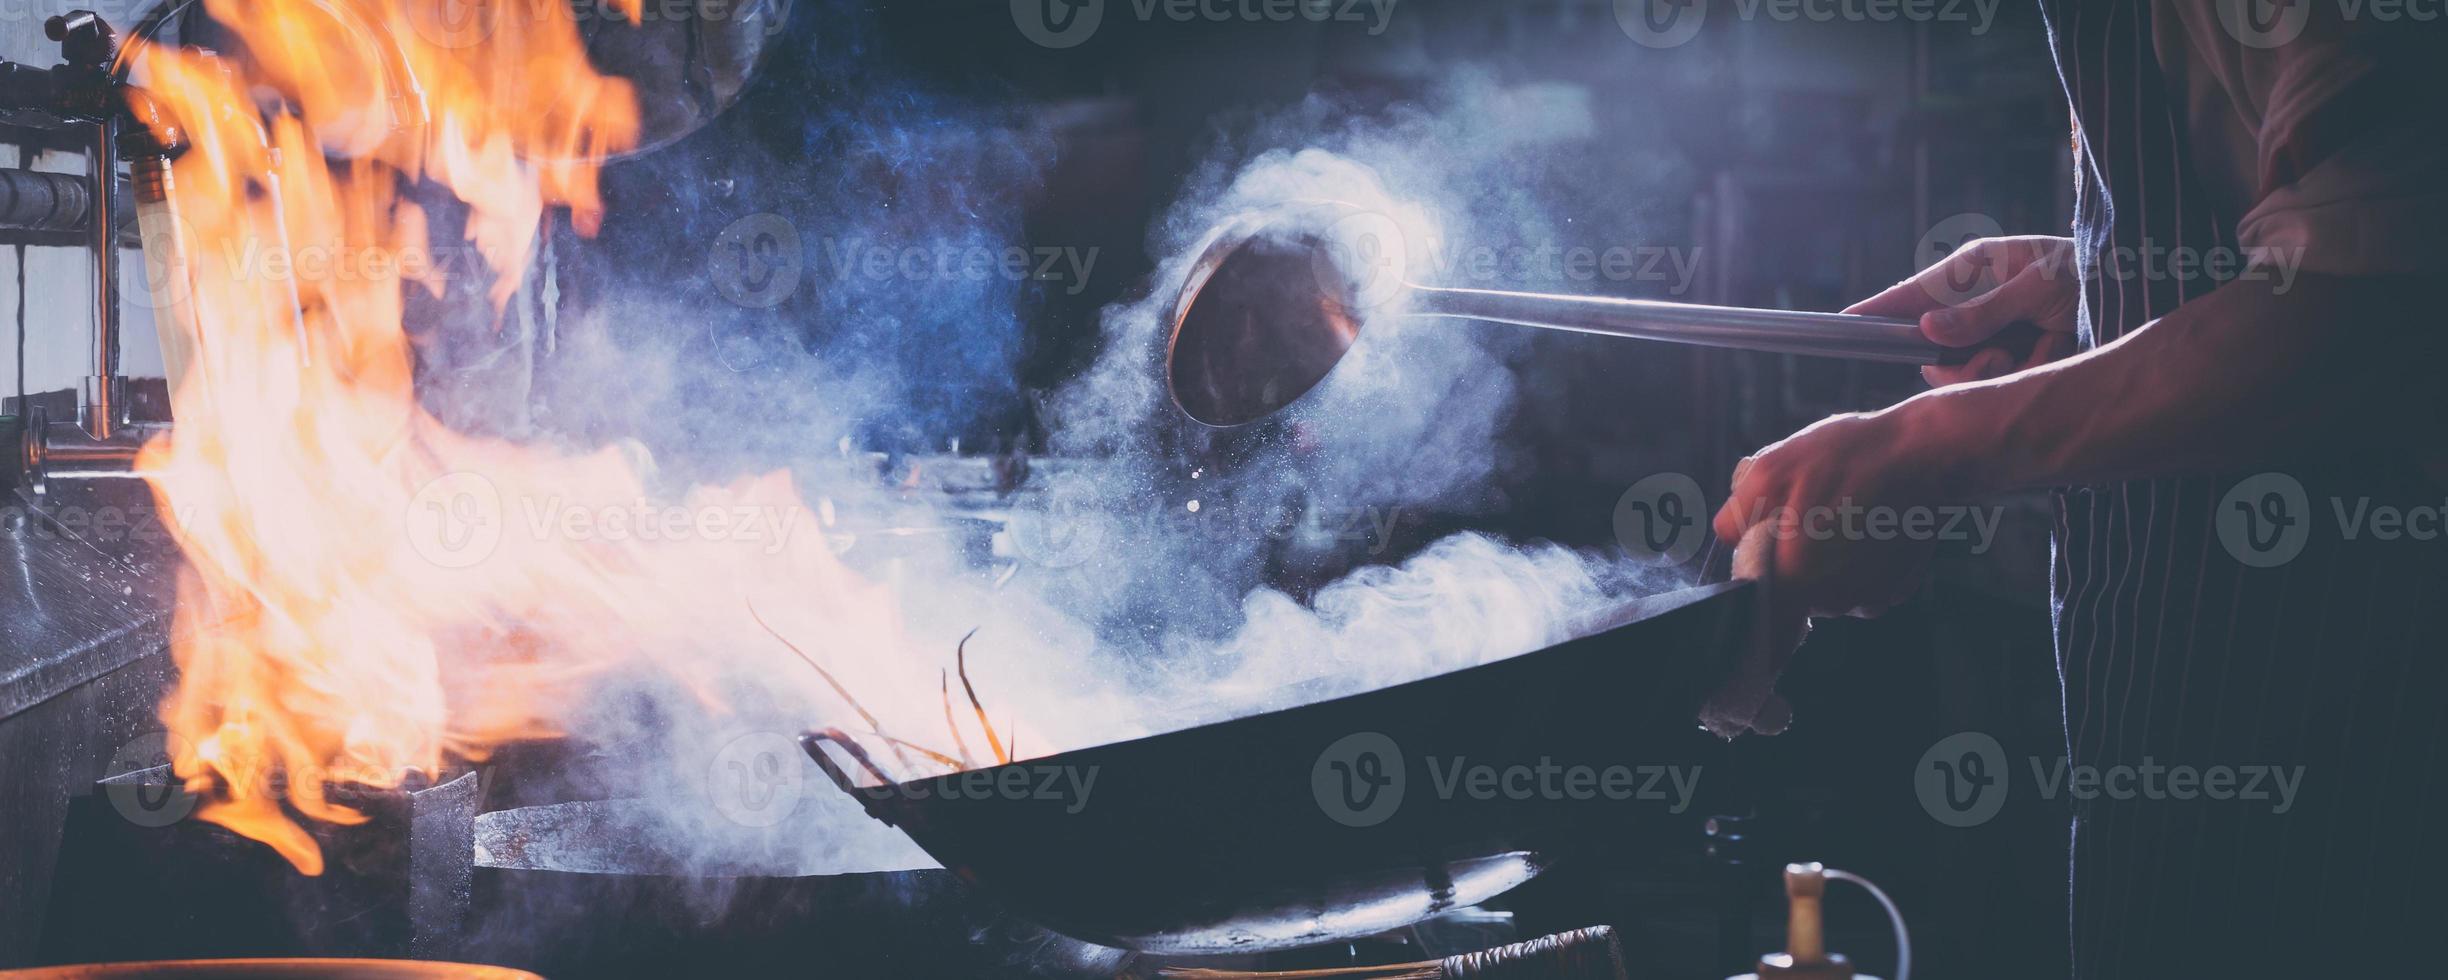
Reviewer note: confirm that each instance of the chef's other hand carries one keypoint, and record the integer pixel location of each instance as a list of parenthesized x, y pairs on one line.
[(1987, 285), (1808, 512)]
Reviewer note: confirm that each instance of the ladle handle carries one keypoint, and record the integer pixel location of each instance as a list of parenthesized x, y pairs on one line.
[(1842, 335), (2019, 338)]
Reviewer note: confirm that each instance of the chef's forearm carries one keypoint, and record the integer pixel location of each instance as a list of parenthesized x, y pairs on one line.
[(2255, 373)]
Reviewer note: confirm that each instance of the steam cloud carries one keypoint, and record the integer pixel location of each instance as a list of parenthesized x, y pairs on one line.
[(1155, 615)]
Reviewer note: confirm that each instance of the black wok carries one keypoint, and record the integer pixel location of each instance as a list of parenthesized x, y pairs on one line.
[(615, 888), (1346, 817)]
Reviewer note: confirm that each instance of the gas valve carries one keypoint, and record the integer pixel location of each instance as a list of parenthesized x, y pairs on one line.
[(1806, 956)]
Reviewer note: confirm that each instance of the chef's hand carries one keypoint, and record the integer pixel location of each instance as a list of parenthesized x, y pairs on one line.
[(1818, 516), (1802, 510), (1985, 286), (1800, 514)]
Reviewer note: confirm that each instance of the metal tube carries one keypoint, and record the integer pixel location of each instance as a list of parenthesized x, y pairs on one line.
[(31, 200), (63, 451), (1861, 338), (101, 417)]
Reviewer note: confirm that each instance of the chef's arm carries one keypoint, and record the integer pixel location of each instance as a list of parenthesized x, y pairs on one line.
[(2330, 344), (2258, 372)]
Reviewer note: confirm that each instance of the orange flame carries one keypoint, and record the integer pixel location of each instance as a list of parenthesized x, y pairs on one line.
[(335, 623)]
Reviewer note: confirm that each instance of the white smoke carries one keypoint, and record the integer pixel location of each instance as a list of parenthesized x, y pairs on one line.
[(1157, 615)]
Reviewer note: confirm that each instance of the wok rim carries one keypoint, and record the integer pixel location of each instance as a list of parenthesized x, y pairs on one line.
[(1596, 624)]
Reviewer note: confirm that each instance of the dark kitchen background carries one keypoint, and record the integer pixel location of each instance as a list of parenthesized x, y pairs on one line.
[(1795, 164)]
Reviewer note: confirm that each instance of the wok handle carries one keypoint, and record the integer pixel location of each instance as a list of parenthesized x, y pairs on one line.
[(813, 744)]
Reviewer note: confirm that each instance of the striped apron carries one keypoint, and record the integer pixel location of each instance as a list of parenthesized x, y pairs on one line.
[(2176, 652)]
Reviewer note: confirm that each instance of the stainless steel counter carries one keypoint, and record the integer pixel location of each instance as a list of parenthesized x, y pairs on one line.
[(85, 596), (85, 588)]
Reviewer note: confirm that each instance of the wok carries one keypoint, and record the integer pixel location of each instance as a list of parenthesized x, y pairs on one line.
[(273, 969), (617, 888), (1346, 817)]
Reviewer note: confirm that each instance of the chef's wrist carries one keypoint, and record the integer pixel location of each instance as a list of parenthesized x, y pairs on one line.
[(1958, 445)]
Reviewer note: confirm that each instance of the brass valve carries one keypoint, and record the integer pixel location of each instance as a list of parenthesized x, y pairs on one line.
[(1805, 956)]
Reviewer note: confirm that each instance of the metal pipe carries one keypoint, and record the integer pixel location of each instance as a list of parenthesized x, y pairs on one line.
[(31, 200), (1862, 338), (66, 451), (100, 411), (63, 451)]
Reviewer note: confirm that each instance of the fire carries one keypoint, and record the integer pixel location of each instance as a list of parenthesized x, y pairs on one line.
[(328, 629)]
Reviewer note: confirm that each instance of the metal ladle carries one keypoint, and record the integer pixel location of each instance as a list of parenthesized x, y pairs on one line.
[(1274, 300)]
